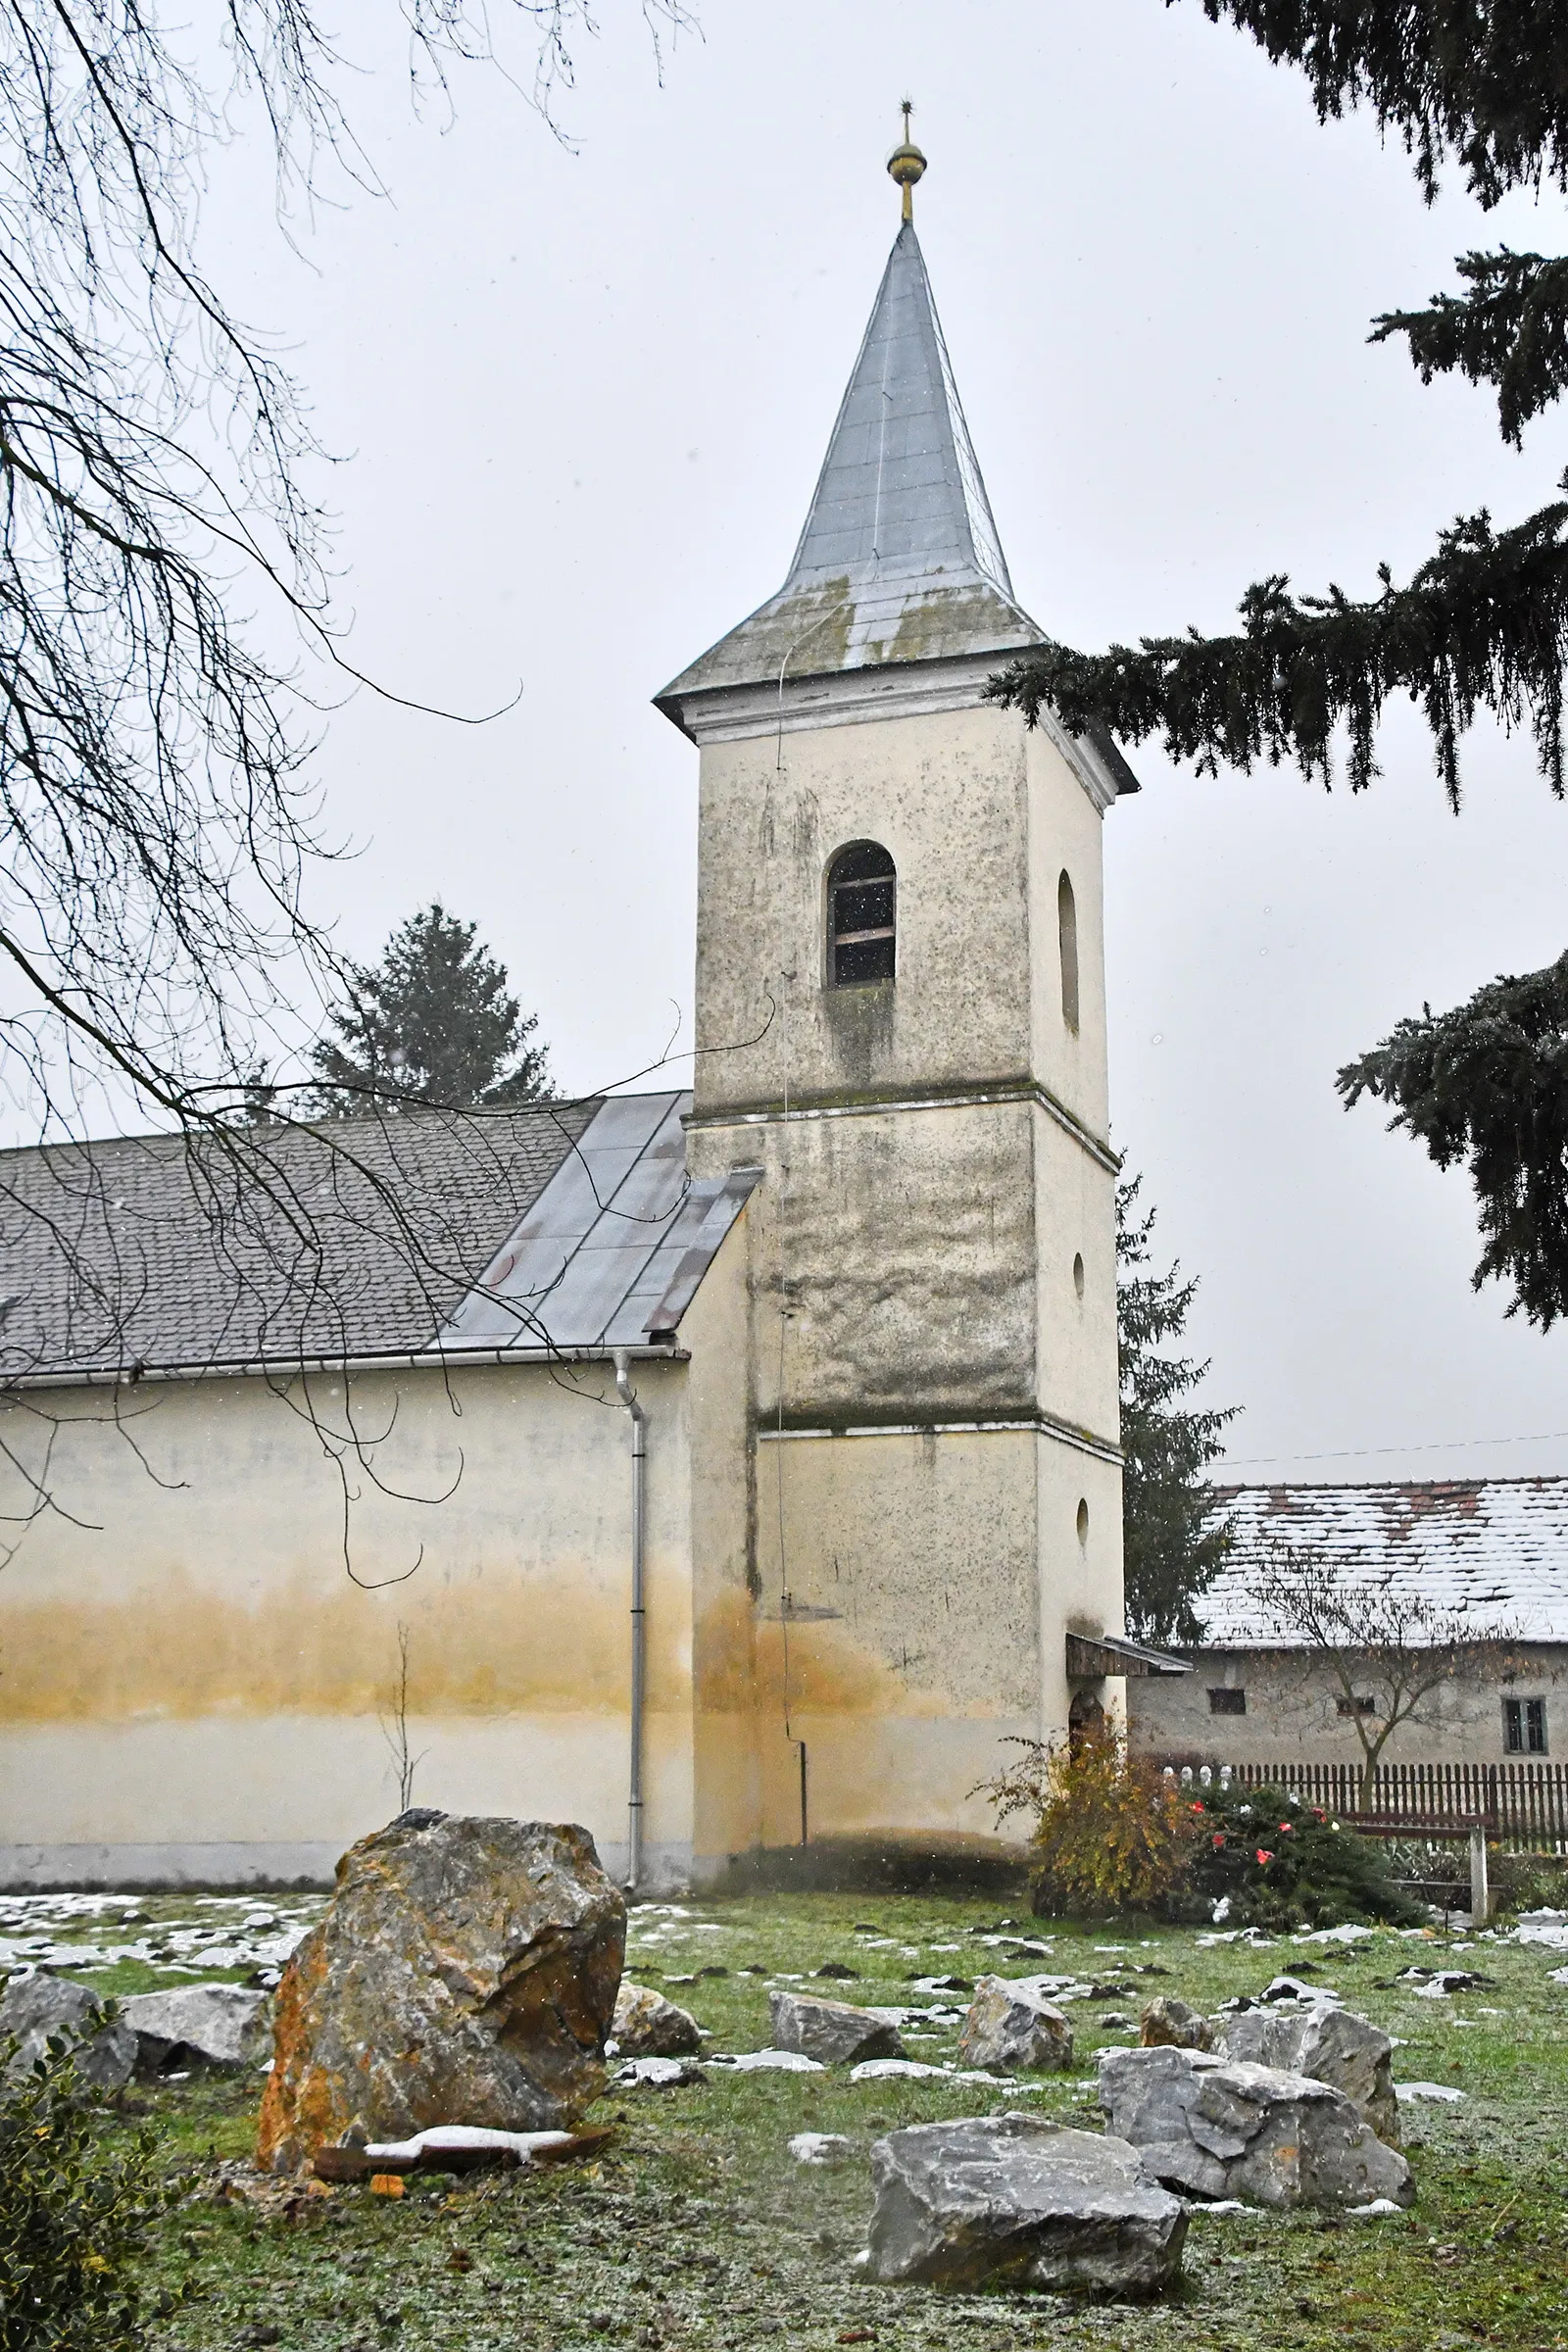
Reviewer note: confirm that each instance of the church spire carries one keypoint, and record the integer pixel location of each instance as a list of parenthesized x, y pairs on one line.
[(900, 560)]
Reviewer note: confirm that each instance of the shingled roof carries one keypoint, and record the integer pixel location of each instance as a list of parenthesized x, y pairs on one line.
[(1494, 1548), (356, 1237)]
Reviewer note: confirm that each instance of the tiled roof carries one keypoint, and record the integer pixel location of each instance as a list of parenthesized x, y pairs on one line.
[(359, 1239), (1494, 1548)]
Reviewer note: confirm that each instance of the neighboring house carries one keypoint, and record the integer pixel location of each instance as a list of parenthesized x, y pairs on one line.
[(1493, 1551), (864, 1280)]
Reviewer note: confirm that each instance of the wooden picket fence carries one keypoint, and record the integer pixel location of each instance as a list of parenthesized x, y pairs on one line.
[(1523, 1806)]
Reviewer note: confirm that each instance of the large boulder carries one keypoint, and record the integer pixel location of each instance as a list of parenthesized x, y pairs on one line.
[(200, 2025), (1331, 2044), (835, 2033), (464, 1972), (1016, 2201), (1010, 2023), (38, 2008), (1219, 2129), (647, 2026)]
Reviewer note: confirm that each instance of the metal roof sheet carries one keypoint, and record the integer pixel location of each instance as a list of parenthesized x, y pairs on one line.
[(612, 1253), (1495, 1550), (900, 560)]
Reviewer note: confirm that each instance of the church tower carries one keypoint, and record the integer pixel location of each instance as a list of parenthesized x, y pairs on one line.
[(900, 1014)]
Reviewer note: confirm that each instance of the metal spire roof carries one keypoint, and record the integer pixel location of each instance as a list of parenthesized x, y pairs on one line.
[(900, 559)]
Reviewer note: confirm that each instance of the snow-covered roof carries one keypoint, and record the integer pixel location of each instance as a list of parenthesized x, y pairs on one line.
[(1495, 1550)]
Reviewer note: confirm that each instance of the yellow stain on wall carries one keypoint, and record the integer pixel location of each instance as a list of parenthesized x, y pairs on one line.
[(181, 1649)]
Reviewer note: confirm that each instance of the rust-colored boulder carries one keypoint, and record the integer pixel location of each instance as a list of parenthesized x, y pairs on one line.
[(464, 1973)]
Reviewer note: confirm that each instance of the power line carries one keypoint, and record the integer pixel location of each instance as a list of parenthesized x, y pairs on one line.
[(1363, 1453)]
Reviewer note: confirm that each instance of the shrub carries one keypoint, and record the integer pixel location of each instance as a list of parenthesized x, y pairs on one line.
[(1275, 1862), (1110, 1833), (73, 2214)]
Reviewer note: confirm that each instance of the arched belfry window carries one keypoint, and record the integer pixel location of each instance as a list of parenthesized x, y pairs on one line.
[(862, 915), (1067, 937)]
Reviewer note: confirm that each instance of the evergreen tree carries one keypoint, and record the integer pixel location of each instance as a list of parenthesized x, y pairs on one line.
[(433, 1023), (1488, 1084), (1482, 625), (1173, 1547)]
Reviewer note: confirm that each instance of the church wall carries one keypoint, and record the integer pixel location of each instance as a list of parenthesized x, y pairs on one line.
[(194, 1686), (1075, 1216)]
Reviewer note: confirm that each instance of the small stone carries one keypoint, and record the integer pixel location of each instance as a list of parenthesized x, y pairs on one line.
[(1168, 2023), (1015, 2200), (1010, 2023), (834, 1968), (833, 2031), (212, 2025), (38, 2008), (647, 2026)]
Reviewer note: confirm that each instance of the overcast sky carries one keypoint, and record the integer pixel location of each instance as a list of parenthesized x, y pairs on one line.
[(581, 397)]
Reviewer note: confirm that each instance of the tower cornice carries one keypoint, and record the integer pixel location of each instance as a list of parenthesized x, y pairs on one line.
[(849, 698)]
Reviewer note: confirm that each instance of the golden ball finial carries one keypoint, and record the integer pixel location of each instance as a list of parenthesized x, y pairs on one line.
[(906, 165)]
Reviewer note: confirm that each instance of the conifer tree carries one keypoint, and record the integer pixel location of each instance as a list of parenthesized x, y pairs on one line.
[(1482, 625), (1173, 1547), (433, 1023)]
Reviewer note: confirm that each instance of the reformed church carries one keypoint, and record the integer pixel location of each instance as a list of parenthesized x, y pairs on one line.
[(717, 1469)]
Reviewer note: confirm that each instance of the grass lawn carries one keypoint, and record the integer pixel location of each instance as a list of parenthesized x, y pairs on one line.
[(698, 2227)]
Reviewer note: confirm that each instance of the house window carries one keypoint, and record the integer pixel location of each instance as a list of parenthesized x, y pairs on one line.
[(1227, 1702), (861, 899), (1067, 940), (1524, 1726), (1359, 1705)]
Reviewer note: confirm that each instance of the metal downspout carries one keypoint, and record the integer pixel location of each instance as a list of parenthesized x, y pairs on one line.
[(639, 1486)]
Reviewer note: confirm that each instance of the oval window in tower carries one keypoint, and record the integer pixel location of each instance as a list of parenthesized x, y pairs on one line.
[(862, 915), (1067, 937)]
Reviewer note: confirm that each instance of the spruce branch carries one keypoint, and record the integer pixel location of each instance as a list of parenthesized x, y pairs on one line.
[(1511, 330), (1487, 1084), (1482, 625), (1484, 80)]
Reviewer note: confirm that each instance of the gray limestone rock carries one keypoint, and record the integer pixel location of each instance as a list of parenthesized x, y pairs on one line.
[(1331, 2044), (1016, 2200), (38, 2006), (647, 2026), (1010, 2023), (1223, 2128), (208, 2025), (834, 2032), (1168, 2023)]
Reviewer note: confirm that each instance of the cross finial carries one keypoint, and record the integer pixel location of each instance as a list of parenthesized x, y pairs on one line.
[(907, 164)]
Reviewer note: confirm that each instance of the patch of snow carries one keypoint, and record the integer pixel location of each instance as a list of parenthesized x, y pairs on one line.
[(1428, 2090), (779, 2062), (663, 2074), (1352, 1932), (819, 2148), (1373, 2212)]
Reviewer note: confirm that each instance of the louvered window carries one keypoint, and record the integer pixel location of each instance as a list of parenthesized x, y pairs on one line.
[(862, 915)]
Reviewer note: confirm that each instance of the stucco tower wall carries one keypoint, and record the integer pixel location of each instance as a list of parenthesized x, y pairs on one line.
[(934, 1390)]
